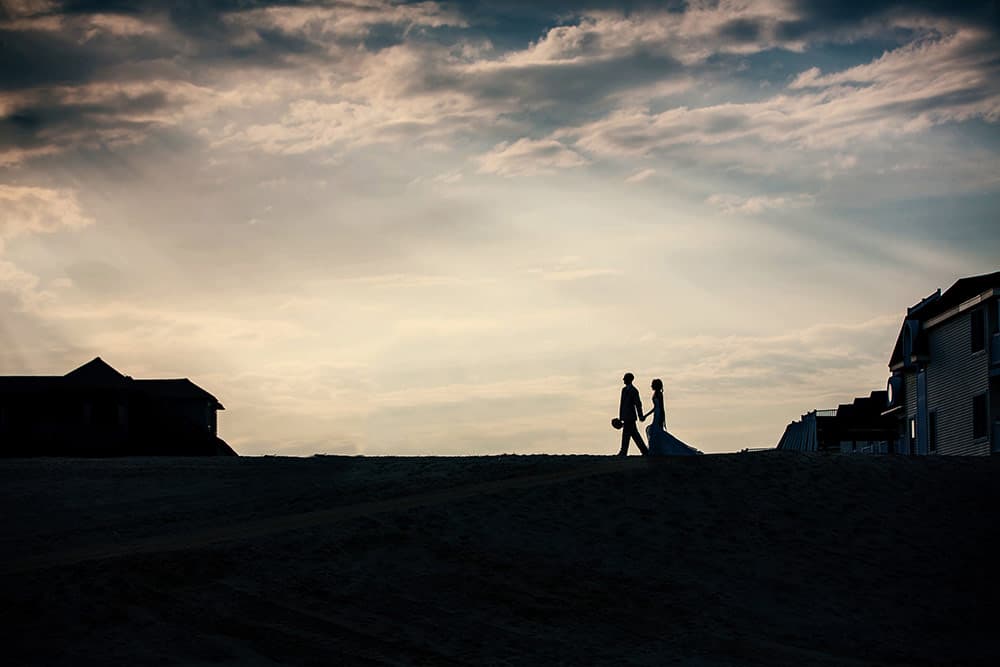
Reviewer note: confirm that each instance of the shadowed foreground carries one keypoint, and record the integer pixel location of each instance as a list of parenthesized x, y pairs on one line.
[(770, 558)]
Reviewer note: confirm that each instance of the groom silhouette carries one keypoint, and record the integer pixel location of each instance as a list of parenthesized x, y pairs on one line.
[(629, 410)]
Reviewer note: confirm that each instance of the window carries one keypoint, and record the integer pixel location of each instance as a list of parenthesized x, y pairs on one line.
[(980, 424), (978, 320), (913, 433), (932, 431)]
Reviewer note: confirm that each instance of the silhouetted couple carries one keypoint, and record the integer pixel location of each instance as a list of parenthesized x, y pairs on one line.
[(661, 442)]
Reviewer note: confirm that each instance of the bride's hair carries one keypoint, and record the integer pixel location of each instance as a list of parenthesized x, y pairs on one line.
[(657, 384)]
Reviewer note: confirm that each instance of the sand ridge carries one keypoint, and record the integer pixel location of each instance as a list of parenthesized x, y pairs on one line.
[(257, 528), (755, 559)]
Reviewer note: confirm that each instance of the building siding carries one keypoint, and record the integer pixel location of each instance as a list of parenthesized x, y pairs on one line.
[(910, 395), (954, 375)]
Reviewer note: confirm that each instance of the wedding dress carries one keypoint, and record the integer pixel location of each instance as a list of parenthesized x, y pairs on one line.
[(661, 442)]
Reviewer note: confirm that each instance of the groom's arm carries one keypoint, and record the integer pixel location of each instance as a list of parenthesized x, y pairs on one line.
[(638, 406)]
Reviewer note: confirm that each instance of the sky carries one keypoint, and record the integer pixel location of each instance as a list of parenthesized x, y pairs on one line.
[(377, 227)]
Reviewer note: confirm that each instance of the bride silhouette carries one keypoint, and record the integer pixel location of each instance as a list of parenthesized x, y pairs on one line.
[(660, 441)]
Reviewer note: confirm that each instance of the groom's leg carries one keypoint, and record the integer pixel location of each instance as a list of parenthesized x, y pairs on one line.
[(630, 430), (638, 440), (625, 436)]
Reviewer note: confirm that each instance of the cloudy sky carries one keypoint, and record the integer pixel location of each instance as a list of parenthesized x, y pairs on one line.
[(449, 227)]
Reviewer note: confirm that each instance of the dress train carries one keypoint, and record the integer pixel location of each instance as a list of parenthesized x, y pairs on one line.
[(662, 442)]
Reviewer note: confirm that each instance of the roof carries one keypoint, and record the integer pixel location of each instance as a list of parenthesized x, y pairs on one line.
[(800, 436), (963, 290), (864, 407), (181, 388), (862, 419), (940, 304), (29, 383), (98, 374)]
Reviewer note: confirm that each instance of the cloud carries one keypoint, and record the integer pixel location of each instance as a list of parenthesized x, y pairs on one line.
[(372, 92), (435, 93), (16, 281), (759, 203), (44, 19), (597, 59), (641, 175), (53, 48), (566, 274), (703, 29), (930, 82), (310, 125), (850, 20), (76, 79), (26, 210), (354, 19), (99, 115), (300, 78), (950, 78), (529, 156)]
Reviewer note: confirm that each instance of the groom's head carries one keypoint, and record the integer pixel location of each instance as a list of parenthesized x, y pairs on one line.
[(628, 377)]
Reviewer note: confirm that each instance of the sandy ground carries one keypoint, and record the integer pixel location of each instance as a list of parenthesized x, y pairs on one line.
[(745, 559)]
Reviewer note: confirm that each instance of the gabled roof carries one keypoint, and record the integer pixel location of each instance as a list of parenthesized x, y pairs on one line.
[(939, 305), (963, 290), (97, 373)]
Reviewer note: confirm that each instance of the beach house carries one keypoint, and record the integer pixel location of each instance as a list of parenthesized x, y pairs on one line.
[(944, 391), (96, 411)]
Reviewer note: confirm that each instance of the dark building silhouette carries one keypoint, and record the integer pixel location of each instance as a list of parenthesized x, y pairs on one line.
[(861, 428), (857, 427), (944, 391), (96, 411), (809, 433)]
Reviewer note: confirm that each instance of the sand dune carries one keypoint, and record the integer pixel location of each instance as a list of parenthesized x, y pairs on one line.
[(768, 558)]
